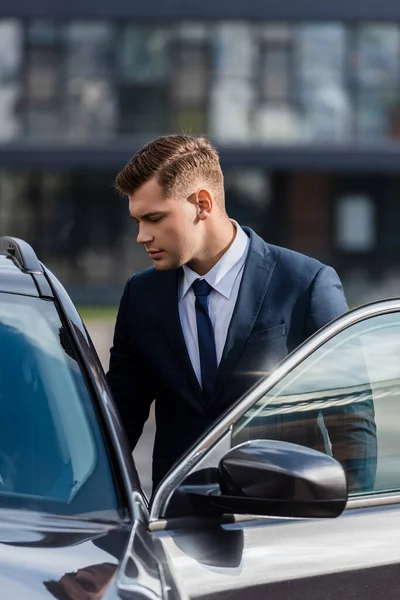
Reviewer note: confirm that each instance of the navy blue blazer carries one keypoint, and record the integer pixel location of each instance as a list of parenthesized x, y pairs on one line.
[(284, 297)]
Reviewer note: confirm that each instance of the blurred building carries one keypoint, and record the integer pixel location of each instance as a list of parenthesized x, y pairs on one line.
[(302, 100)]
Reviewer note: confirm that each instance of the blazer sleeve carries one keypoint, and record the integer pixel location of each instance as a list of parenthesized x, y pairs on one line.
[(130, 385), (326, 300), (351, 428)]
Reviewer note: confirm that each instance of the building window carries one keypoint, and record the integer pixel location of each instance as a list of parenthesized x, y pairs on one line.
[(374, 69), (232, 97), (43, 76), (276, 114), (275, 63), (90, 65), (190, 69), (275, 74), (355, 224), (10, 65), (143, 69), (143, 54), (321, 82), (43, 84)]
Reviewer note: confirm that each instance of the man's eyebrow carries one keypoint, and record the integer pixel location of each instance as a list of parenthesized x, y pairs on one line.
[(149, 215)]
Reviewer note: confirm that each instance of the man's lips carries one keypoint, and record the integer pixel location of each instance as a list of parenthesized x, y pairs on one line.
[(154, 253)]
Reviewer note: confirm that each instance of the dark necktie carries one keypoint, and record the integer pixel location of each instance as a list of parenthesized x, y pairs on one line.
[(205, 335)]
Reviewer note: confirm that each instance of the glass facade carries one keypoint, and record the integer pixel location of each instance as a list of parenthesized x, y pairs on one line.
[(113, 84), (239, 82)]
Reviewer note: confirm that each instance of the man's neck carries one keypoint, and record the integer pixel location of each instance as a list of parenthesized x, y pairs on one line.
[(223, 242)]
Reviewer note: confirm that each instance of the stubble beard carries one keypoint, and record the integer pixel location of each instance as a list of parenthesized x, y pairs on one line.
[(165, 265), (170, 263)]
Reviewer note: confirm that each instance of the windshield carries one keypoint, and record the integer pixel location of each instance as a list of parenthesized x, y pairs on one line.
[(52, 455)]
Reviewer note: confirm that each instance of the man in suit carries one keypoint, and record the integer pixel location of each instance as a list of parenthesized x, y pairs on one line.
[(218, 309)]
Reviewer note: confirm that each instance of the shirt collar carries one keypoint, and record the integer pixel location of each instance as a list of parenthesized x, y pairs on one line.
[(223, 274)]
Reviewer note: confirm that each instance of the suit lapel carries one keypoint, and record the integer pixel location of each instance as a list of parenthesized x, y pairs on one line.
[(256, 278), (171, 323)]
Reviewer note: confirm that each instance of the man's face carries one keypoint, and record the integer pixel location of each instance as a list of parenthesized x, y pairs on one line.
[(167, 226)]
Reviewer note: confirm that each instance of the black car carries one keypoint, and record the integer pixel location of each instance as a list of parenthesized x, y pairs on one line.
[(239, 516)]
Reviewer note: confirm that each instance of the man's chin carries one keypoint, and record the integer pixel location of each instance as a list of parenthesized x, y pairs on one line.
[(163, 265)]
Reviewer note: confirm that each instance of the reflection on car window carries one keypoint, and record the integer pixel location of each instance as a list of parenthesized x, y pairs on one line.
[(50, 446), (343, 399)]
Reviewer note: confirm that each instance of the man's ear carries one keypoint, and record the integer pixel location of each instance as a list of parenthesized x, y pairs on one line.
[(204, 203)]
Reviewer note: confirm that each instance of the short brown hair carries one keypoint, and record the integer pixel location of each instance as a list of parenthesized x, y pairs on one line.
[(178, 162)]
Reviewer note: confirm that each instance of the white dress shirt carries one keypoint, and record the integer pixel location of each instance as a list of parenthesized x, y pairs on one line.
[(224, 278)]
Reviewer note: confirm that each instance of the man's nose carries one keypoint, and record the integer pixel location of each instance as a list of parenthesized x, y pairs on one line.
[(144, 236)]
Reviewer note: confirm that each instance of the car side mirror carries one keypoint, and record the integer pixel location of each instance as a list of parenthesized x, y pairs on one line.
[(280, 479)]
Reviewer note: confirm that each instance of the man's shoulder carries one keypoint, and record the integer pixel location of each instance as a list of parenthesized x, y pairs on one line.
[(283, 257), (298, 270), (291, 258)]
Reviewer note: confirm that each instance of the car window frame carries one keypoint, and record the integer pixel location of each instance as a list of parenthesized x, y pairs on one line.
[(216, 440), (81, 350), (130, 494), (132, 501)]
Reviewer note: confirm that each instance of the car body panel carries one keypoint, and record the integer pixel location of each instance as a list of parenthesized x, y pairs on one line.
[(47, 556), (39, 552), (267, 558)]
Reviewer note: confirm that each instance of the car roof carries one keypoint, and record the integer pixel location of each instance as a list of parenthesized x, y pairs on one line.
[(20, 270), (14, 280)]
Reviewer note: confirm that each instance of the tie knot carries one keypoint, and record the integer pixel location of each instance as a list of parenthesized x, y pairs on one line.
[(201, 287)]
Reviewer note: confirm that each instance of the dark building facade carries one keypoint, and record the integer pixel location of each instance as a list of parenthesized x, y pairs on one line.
[(302, 101)]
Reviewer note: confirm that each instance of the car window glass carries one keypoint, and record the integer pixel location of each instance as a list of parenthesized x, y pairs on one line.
[(343, 399), (50, 444)]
